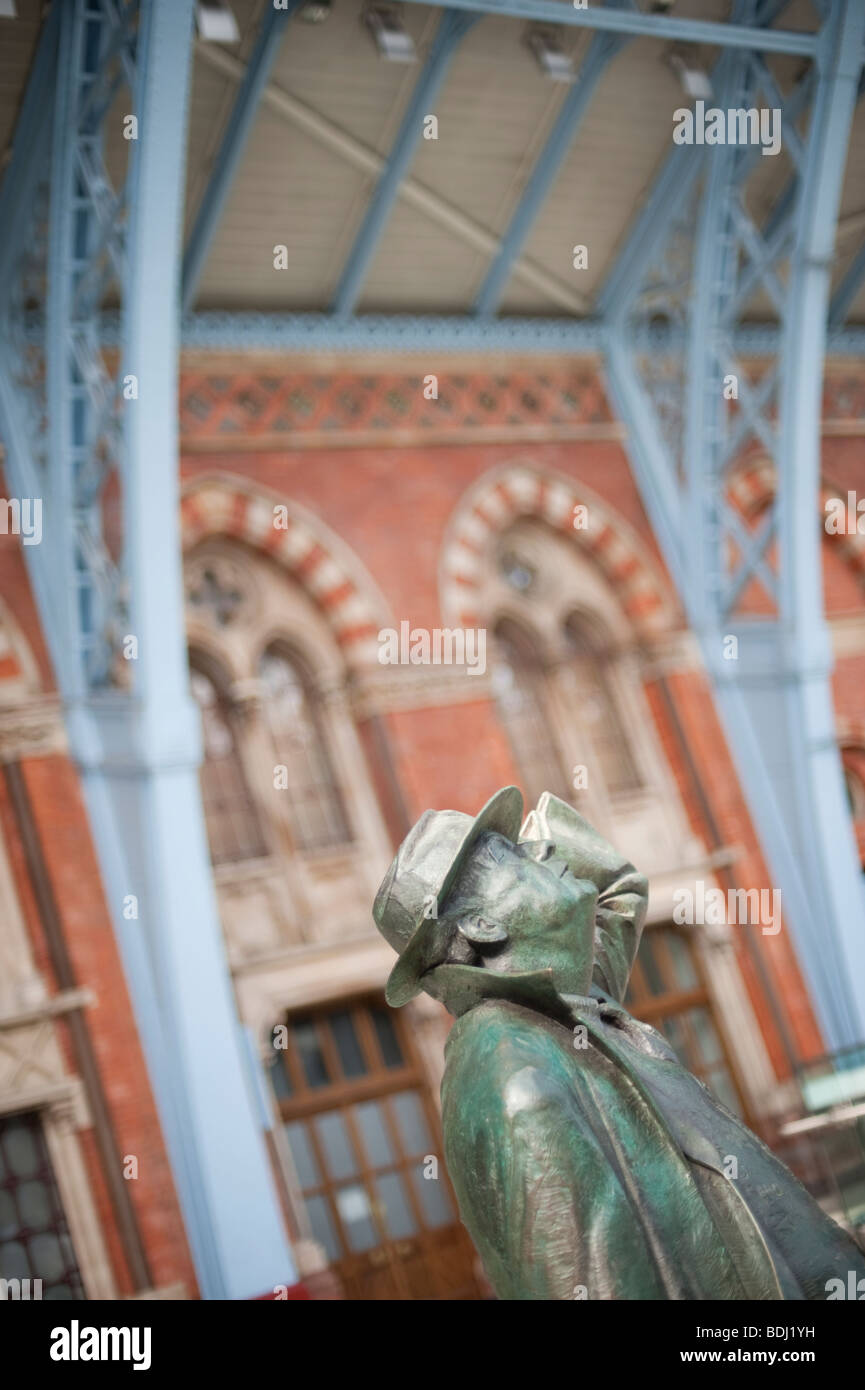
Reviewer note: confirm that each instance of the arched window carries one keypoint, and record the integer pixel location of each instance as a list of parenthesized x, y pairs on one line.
[(316, 809), (597, 707), (519, 687), (233, 827)]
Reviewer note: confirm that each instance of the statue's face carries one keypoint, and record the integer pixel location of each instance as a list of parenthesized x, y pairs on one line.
[(545, 912)]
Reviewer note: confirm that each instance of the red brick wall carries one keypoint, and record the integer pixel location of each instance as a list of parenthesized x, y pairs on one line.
[(392, 503), (54, 792), (60, 817)]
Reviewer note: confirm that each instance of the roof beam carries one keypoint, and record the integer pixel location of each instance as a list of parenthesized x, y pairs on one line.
[(360, 156), (220, 331), (452, 28), (233, 144), (602, 48), (635, 22)]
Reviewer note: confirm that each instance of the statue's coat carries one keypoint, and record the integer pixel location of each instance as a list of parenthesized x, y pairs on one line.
[(598, 1171)]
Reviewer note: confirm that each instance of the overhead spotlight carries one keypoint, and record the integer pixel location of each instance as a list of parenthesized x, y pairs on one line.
[(216, 22), (552, 59), (694, 79), (392, 39), (314, 11)]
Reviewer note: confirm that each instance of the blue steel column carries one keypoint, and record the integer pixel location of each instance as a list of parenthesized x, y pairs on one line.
[(133, 727), (775, 700), (145, 773)]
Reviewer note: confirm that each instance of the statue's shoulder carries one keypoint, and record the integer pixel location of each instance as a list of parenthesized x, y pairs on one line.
[(497, 1040)]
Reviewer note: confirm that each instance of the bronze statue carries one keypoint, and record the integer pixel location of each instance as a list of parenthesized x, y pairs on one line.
[(588, 1163)]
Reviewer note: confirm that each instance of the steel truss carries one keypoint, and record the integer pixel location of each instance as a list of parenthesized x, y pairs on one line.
[(94, 206), (700, 260)]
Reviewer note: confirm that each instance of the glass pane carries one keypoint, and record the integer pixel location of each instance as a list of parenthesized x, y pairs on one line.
[(292, 713), (20, 1149), (373, 1130), (686, 974), (356, 1215), (303, 1155), (650, 965), (397, 1211), (411, 1122), (338, 1154), (350, 1056), (672, 1030), (719, 1081), (47, 1257), (13, 1261), (34, 1239), (519, 687), (34, 1208), (280, 1080), (8, 1216), (306, 1041), (707, 1037), (387, 1039), (232, 822), (323, 1229), (433, 1196)]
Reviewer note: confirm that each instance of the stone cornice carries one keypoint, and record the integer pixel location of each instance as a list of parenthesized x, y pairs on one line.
[(32, 730)]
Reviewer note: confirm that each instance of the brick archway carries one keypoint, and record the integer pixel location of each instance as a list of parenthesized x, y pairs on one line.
[(518, 491), (308, 551)]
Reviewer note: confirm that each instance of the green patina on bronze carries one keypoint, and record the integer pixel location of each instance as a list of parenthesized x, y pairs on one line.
[(588, 1163)]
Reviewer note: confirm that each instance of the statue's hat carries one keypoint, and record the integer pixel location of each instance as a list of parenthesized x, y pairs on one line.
[(418, 881)]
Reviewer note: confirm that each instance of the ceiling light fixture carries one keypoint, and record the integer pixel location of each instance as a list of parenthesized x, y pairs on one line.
[(695, 81), (392, 39), (314, 11), (216, 22), (553, 61)]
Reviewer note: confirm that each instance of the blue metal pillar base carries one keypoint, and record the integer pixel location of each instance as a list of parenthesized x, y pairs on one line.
[(145, 809)]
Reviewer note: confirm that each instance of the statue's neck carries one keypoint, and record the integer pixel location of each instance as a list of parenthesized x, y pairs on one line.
[(568, 975)]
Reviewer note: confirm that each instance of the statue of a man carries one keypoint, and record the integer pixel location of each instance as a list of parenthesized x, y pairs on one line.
[(588, 1163)]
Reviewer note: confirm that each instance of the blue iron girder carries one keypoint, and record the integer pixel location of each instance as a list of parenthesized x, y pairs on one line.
[(638, 23), (134, 730), (775, 700), (237, 331), (234, 141), (452, 29), (601, 50)]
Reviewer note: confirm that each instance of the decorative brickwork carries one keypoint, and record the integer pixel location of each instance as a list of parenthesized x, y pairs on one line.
[(302, 545), (507, 494), (251, 411)]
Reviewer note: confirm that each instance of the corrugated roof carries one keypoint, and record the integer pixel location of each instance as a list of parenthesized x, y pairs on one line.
[(330, 116)]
